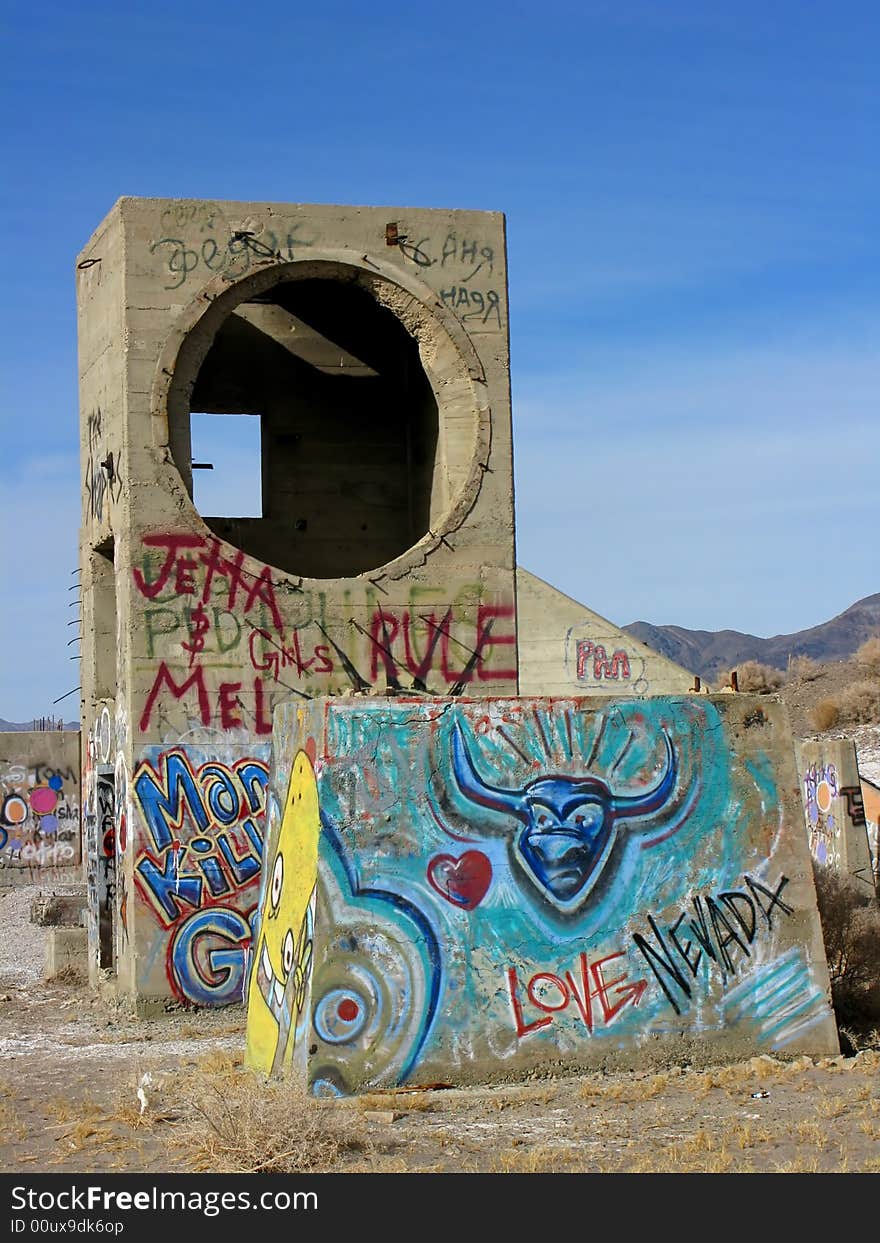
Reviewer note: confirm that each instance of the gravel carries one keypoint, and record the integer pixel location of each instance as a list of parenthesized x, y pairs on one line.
[(22, 944)]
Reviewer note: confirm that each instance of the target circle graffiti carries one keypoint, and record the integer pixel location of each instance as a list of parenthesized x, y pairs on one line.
[(368, 1005), (341, 1015), (824, 797), (15, 810)]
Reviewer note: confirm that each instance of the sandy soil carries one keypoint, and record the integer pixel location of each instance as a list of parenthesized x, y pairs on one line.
[(70, 1067)]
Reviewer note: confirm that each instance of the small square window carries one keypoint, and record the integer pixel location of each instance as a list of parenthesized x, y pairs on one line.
[(227, 465)]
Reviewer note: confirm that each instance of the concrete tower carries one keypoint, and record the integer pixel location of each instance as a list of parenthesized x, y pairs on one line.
[(364, 354)]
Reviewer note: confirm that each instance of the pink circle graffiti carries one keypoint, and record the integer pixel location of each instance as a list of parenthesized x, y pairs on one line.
[(43, 799)]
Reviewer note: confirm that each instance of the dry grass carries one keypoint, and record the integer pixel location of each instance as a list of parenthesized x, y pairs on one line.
[(701, 1153), (803, 669), (65, 1109), (701, 1141), (626, 1091), (82, 1135), (831, 1107), (860, 702), (69, 976), (231, 1123), (542, 1159), (825, 715), (747, 1135), (399, 1102), (757, 679), (10, 1127), (868, 656), (800, 1165), (856, 704), (811, 1133), (220, 1062)]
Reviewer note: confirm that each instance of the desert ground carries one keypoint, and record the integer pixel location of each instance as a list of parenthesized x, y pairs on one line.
[(71, 1065)]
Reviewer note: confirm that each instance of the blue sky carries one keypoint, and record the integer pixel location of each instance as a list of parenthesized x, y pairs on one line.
[(691, 191)]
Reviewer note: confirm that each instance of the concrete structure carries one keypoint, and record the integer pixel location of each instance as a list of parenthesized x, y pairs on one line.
[(835, 809), (566, 648), (66, 950), (371, 346), (64, 917), (40, 807), (871, 801), (465, 891)]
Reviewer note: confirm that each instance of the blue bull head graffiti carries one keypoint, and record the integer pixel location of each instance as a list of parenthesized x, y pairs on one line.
[(570, 824)]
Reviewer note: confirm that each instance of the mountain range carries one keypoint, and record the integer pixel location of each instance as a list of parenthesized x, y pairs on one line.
[(712, 652)]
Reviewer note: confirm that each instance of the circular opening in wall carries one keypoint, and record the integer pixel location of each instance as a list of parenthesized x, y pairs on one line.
[(304, 425)]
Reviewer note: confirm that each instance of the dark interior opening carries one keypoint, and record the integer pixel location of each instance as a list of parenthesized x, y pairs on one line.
[(104, 620), (349, 427)]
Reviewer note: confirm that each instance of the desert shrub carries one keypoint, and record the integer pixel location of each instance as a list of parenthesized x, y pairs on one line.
[(860, 703), (758, 679), (826, 714), (868, 656), (233, 1122), (803, 669), (70, 975), (850, 920)]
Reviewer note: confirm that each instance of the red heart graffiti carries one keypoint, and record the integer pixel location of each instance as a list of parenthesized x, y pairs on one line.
[(463, 881)]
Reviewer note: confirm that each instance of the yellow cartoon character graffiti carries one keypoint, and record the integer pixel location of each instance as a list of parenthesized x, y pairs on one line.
[(283, 956)]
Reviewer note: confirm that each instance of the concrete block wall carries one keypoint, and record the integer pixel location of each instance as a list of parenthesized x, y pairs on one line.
[(40, 807), (464, 891), (834, 808)]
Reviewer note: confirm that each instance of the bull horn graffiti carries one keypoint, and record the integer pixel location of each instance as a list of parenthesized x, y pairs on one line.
[(570, 824)]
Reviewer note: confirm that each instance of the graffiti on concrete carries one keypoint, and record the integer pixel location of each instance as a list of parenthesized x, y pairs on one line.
[(39, 817), (232, 253), (199, 843), (550, 993), (102, 481), (820, 791), (284, 932), (569, 823), (593, 660), (207, 608), (505, 880), (604, 666)]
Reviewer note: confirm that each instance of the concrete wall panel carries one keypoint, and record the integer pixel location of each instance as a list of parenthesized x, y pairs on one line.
[(39, 807), (494, 886), (834, 808)]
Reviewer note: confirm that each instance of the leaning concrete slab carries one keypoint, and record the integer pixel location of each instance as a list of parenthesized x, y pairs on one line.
[(567, 649), (835, 809), (470, 891)]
